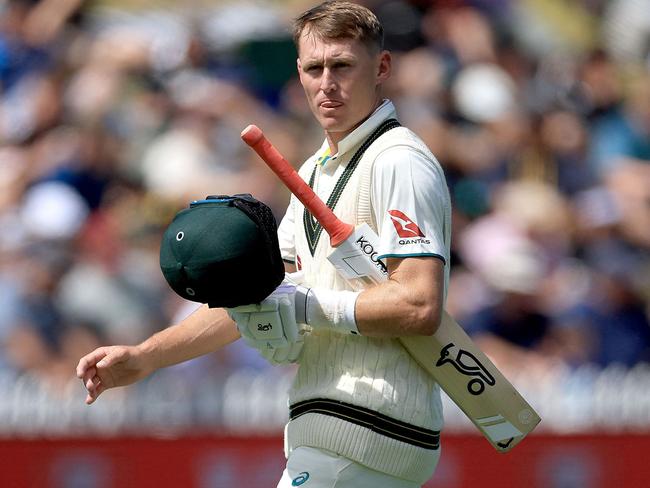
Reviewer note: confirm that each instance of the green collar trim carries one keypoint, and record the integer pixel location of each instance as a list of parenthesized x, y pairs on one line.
[(313, 228)]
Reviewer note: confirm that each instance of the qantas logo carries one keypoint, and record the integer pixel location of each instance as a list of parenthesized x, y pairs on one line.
[(404, 226), (408, 230)]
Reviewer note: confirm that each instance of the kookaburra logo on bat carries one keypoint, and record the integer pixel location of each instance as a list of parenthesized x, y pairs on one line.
[(466, 363)]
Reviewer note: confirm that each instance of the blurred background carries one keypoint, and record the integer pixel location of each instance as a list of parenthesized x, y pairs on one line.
[(114, 115)]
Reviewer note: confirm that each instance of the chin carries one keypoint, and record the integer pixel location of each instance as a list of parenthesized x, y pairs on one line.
[(329, 126), (333, 125)]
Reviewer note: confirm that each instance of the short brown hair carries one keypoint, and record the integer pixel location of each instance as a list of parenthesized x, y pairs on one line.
[(336, 19)]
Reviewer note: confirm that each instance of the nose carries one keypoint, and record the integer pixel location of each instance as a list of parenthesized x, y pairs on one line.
[(327, 82)]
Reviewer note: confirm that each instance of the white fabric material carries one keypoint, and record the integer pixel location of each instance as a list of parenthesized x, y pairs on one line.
[(291, 352), (406, 182), (314, 468), (352, 441), (332, 309), (271, 323), (403, 176), (409, 200), (284, 344), (375, 373), (284, 355)]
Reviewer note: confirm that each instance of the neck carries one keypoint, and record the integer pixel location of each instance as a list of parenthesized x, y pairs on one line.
[(333, 139)]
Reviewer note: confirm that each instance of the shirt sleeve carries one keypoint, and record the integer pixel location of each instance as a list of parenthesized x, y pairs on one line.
[(286, 234), (410, 202)]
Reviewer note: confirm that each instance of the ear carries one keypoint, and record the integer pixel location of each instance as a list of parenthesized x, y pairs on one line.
[(384, 68), (299, 68)]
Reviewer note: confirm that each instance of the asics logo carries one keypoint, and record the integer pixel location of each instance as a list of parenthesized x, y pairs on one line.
[(404, 226), (300, 479)]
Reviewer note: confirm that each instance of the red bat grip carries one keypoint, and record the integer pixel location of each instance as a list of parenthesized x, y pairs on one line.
[(338, 230)]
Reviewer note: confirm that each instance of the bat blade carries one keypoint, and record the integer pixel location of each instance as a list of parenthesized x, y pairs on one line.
[(461, 369), (474, 383)]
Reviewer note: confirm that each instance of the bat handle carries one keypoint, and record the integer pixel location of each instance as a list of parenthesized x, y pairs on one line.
[(338, 230)]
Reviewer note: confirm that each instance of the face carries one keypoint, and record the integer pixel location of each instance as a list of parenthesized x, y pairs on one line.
[(342, 80)]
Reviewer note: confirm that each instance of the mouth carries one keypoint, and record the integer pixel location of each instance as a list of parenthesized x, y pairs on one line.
[(329, 104)]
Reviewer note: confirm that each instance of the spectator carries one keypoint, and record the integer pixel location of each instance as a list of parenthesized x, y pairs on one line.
[(111, 122)]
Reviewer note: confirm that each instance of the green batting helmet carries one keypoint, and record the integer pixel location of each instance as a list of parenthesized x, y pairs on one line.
[(223, 251)]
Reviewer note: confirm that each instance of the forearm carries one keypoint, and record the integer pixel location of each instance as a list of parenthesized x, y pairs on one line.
[(393, 310), (204, 331), (408, 303)]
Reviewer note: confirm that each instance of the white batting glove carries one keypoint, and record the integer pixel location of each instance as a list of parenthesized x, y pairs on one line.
[(290, 353), (285, 355), (270, 326)]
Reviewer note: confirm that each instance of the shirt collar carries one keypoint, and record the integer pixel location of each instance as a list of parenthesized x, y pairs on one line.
[(385, 111)]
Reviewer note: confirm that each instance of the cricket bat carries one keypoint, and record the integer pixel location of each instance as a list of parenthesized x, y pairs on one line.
[(461, 369)]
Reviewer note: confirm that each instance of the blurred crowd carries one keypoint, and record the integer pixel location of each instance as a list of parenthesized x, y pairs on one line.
[(114, 117)]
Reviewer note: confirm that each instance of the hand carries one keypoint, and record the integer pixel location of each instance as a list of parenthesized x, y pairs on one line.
[(285, 355), (270, 324), (290, 353), (108, 367)]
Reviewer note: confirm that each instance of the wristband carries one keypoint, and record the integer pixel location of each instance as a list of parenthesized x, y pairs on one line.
[(322, 308)]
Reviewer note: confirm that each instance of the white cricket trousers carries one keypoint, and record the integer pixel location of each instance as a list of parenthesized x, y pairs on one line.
[(308, 467)]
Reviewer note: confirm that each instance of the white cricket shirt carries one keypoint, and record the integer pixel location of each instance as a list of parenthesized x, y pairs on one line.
[(366, 398), (409, 199)]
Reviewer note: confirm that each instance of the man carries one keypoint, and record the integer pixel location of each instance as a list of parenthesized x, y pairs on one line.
[(362, 412)]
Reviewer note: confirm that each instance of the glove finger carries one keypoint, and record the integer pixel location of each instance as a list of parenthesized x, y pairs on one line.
[(269, 345), (294, 351), (241, 321), (281, 355), (288, 316), (253, 307), (250, 342), (273, 344), (269, 304)]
